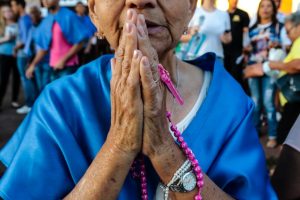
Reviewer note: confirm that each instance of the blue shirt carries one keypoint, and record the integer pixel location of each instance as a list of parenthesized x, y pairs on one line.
[(7, 48), (31, 48), (69, 123), (88, 24), (24, 24)]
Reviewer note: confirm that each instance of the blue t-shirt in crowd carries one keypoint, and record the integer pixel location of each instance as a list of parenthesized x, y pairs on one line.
[(6, 48), (24, 24), (31, 48)]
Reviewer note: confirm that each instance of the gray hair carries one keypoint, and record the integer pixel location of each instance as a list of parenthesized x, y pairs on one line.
[(294, 18)]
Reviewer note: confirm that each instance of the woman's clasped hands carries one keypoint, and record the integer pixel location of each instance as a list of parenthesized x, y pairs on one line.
[(138, 97)]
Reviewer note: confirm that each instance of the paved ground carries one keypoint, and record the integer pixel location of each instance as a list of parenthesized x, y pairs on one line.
[(9, 121)]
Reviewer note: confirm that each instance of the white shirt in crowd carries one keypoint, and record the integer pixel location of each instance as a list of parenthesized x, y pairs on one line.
[(211, 25)]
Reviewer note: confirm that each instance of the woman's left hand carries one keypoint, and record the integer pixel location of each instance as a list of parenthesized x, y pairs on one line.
[(155, 132)]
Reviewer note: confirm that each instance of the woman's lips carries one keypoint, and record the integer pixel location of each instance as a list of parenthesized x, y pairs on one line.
[(154, 28)]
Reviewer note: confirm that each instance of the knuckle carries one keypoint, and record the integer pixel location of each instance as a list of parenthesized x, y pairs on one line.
[(125, 63), (132, 83), (120, 52)]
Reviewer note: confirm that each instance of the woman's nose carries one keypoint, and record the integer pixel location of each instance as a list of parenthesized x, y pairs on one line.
[(141, 4)]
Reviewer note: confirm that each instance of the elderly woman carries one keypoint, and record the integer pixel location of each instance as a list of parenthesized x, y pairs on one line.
[(290, 65), (86, 130)]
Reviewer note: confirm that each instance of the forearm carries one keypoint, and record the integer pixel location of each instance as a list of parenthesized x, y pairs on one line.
[(291, 67), (19, 46), (105, 176), (38, 57), (74, 50), (4, 39), (168, 159), (277, 65)]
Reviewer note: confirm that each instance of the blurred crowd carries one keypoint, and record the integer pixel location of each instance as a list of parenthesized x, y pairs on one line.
[(36, 50), (261, 53)]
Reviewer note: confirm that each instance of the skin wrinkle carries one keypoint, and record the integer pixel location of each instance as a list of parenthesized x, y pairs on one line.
[(148, 14), (171, 26)]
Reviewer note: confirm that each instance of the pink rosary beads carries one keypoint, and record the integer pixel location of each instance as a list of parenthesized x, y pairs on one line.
[(141, 172), (190, 155)]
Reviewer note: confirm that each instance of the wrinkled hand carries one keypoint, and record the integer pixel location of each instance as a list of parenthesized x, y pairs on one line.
[(30, 72), (155, 126), (254, 70), (126, 97)]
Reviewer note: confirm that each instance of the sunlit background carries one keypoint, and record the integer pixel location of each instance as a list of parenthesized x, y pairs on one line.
[(287, 6), (250, 6)]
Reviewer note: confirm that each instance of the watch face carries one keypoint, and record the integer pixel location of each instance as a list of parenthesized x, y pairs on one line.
[(189, 181)]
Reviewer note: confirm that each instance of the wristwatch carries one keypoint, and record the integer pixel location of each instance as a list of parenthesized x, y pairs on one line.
[(186, 183)]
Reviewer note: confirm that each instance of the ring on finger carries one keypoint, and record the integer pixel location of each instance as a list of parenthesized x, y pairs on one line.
[(119, 59), (120, 55)]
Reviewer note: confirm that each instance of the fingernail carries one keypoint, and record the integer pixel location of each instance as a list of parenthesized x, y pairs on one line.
[(129, 14), (141, 18), (145, 62), (135, 54), (128, 27)]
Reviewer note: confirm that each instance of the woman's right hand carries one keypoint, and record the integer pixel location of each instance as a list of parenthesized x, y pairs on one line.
[(126, 99)]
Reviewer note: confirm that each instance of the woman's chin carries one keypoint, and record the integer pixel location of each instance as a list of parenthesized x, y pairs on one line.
[(160, 45)]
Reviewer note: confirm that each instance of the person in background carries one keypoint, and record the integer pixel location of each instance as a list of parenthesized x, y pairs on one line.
[(290, 65), (41, 70), (87, 53), (63, 35), (280, 15), (286, 178), (239, 21), (211, 28), (264, 35), (285, 41), (24, 25), (7, 60)]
